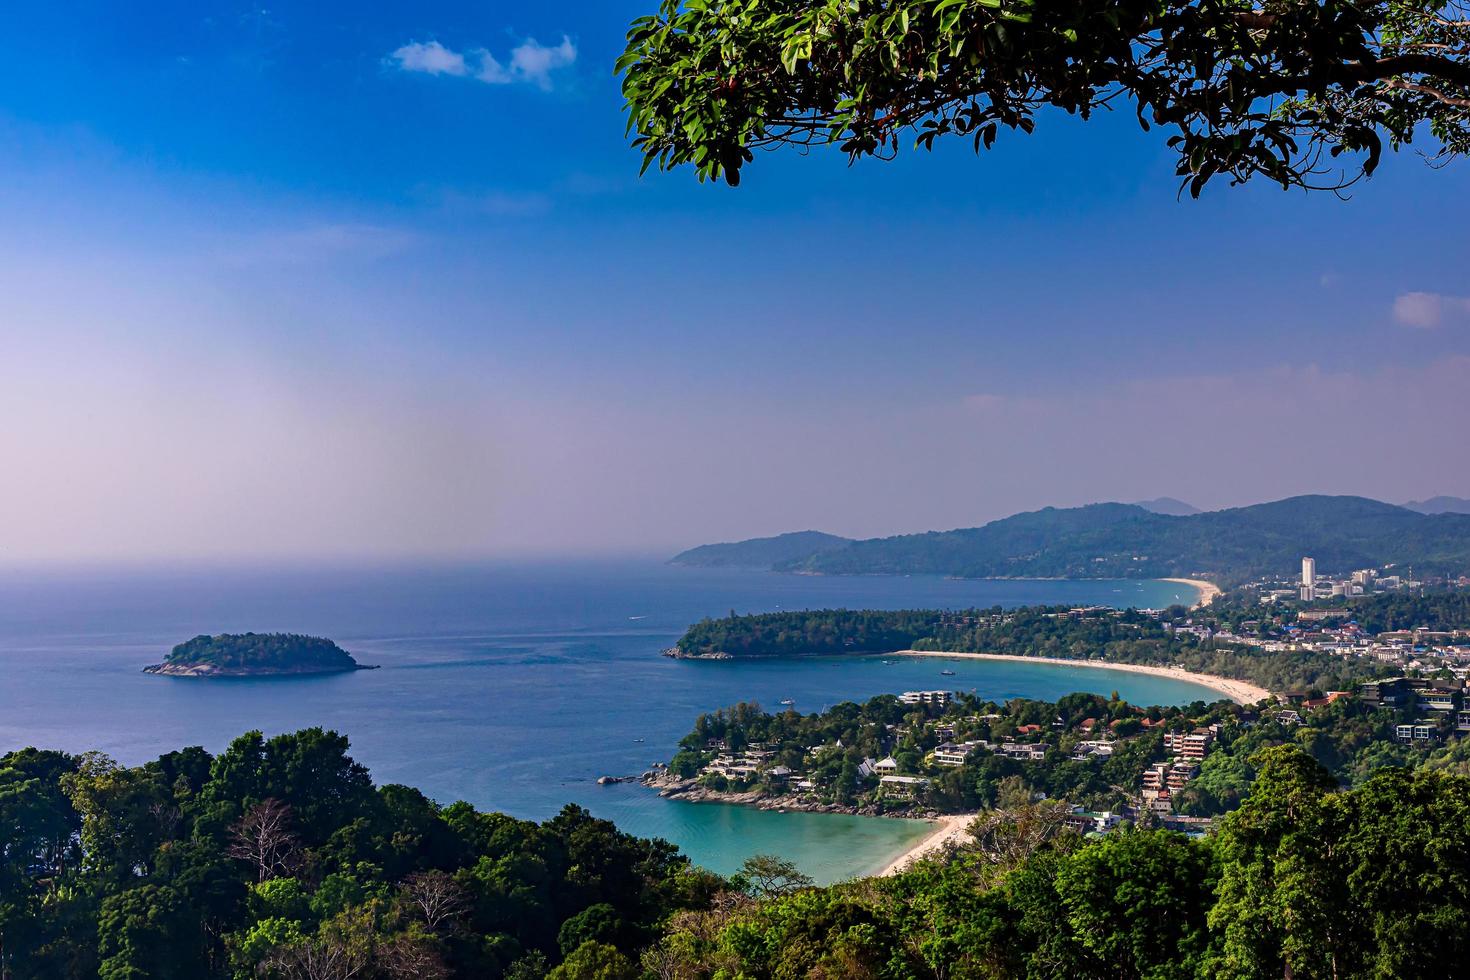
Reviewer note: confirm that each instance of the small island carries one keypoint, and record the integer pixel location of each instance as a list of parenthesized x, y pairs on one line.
[(256, 655)]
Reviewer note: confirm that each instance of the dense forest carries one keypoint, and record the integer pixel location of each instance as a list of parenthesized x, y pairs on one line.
[(1303, 881), (280, 859), (1129, 541), (1041, 631), (261, 653)]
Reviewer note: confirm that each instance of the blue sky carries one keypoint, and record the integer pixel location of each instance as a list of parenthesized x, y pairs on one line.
[(339, 281)]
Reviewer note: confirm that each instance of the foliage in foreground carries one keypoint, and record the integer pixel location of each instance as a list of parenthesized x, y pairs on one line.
[(280, 859), (1278, 90), (1302, 881)]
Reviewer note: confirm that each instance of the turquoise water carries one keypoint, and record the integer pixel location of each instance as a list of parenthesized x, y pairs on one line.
[(513, 687)]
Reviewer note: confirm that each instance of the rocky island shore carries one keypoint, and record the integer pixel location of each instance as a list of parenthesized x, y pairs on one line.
[(691, 790), (256, 655)]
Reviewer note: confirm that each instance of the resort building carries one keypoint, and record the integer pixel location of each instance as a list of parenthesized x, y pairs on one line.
[(952, 754), (1024, 752), (1194, 745), (926, 697), (1090, 822), (1436, 701), (1419, 733), (1092, 749), (902, 786)]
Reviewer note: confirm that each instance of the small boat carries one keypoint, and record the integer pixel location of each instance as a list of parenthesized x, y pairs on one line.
[(787, 701), (947, 673), (637, 739)]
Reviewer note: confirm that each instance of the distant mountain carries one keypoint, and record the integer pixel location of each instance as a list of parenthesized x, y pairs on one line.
[(1130, 541), (1440, 505), (1169, 506), (761, 552)]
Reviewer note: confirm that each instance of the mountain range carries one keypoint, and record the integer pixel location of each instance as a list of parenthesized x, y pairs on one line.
[(1440, 505), (1170, 506), (1113, 540)]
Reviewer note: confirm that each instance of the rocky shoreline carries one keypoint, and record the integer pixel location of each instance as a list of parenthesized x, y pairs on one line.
[(210, 670), (674, 653), (689, 790)]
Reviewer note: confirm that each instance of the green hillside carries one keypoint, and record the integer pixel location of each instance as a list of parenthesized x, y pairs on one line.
[(255, 654), (761, 552), (1129, 541)]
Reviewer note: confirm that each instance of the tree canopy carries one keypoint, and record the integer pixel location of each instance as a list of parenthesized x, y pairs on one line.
[(260, 653), (279, 859), (1306, 94), (1304, 881)]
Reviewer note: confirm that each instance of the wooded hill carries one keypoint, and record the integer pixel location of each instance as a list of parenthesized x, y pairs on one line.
[(1130, 541)]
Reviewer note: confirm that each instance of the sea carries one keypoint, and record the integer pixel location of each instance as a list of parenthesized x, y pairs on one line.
[(511, 686)]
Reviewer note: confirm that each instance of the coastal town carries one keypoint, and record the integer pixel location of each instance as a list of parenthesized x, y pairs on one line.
[(1303, 618), (937, 753), (1115, 763)]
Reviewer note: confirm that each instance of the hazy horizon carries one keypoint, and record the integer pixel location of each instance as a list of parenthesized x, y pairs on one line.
[(247, 560), (341, 293)]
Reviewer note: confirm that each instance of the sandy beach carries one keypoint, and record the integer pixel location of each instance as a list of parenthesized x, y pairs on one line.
[(947, 830), (1242, 692), (1208, 591)]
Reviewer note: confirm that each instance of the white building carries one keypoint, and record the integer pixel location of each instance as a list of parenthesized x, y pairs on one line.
[(952, 754), (1309, 579), (926, 697)]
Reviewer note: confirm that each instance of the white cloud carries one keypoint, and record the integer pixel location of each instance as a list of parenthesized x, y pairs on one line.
[(1428, 310), (431, 58), (533, 62), (530, 62)]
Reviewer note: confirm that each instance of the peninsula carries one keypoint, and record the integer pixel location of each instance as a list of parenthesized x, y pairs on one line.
[(256, 655), (1165, 642)]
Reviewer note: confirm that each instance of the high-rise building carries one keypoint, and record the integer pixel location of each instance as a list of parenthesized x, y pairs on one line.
[(1309, 579)]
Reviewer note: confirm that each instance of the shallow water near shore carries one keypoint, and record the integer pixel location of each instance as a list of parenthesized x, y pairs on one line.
[(513, 687)]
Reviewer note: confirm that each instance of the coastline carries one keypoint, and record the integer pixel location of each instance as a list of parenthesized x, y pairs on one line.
[(1208, 591), (689, 791), (945, 829), (1241, 692), (211, 671), (948, 830)]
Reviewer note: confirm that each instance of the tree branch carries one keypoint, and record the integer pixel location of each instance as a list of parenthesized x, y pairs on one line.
[(1433, 93)]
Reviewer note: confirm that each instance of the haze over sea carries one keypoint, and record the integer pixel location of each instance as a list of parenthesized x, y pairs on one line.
[(511, 686)]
